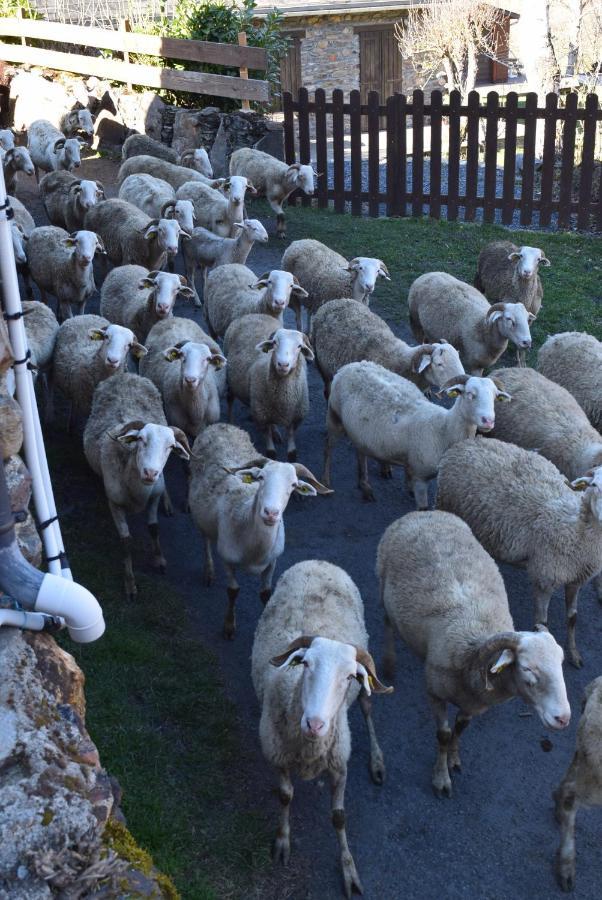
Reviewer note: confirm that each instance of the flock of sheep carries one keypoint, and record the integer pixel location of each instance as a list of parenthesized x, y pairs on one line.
[(530, 494)]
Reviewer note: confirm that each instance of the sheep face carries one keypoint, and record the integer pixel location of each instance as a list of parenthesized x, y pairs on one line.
[(7, 139), (117, 342), (19, 159), (183, 212), (200, 162), (88, 193), (85, 123), (253, 229), (84, 244), (235, 189), (537, 662), (19, 241), (592, 485), (439, 362), (285, 345), (165, 287), (275, 482), (301, 177), (152, 445), (527, 261), (365, 270), (513, 322), (477, 396), (70, 150), (196, 361), (280, 285), (167, 234)]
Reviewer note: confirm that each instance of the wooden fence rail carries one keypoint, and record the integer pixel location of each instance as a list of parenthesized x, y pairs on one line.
[(136, 73), (555, 183)]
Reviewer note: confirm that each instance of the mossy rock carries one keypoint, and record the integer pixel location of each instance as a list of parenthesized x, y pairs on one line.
[(117, 838)]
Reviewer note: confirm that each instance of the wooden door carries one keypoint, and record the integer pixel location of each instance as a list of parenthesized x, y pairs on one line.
[(380, 63), (290, 65)]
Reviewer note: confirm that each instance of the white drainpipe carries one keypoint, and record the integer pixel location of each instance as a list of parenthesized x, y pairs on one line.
[(53, 594)]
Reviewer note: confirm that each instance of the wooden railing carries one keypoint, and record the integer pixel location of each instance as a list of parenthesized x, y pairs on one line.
[(125, 42), (457, 172)]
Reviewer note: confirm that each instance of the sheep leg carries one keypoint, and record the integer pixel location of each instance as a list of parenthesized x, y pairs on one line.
[(521, 358), (453, 757), (542, 594), (281, 848), (351, 879), (295, 305), (126, 542), (209, 565), (362, 478), (389, 650), (27, 283), (597, 582), (167, 504), (233, 590), (420, 489), (265, 591), (377, 761), (190, 264), (230, 401), (386, 470), (280, 220), (48, 390), (291, 446), (159, 561), (269, 442), (43, 295), (441, 781), (334, 433), (566, 813), (571, 595)]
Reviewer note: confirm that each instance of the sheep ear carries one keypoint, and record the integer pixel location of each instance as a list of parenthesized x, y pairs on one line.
[(146, 282), (306, 349), (251, 188), (495, 315), (384, 271), (366, 673), (514, 256), (503, 397), (266, 346), (217, 361), (261, 282), (298, 291), (353, 265), (531, 317), (97, 334), (130, 437), (421, 360), (505, 659), (580, 484), (247, 476), (182, 447), (239, 225), (172, 353), (186, 292), (305, 489), (454, 391), (294, 653), (150, 232), (138, 350), (544, 261), (58, 145), (311, 479), (70, 241)]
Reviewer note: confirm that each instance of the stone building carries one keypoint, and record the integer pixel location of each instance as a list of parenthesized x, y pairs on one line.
[(350, 44)]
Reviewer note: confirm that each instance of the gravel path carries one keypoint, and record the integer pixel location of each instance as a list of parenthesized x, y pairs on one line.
[(496, 838)]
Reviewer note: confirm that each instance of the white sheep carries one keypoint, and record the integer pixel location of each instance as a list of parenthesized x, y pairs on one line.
[(41, 329), (441, 306), (136, 298), (77, 121), (267, 370), (237, 499), (50, 150), (157, 199), (161, 168), (546, 418), (207, 250), (445, 597), (507, 272), (310, 661), (143, 145), (233, 290), (272, 179), (22, 225), (524, 512), (183, 362), (130, 236), (127, 442), (345, 331), (388, 418), (582, 782), (67, 199), (326, 275), (62, 264), (573, 359), (218, 210), (7, 139), (14, 161), (89, 349)]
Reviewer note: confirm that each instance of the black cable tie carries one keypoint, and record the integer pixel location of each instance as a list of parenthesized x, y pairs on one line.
[(21, 362), (48, 522), (10, 213), (11, 317), (62, 556)]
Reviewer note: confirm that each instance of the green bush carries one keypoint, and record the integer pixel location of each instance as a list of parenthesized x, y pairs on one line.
[(219, 20)]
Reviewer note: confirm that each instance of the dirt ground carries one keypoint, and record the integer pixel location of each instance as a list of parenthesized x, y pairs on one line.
[(497, 837)]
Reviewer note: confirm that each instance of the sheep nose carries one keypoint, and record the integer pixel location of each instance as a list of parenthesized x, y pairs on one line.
[(279, 304), (526, 344), (315, 725), (270, 516), (487, 422), (162, 311), (150, 475), (112, 361), (190, 379), (563, 721)]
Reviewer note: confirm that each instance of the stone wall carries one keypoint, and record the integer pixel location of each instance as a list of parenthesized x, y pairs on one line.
[(330, 57)]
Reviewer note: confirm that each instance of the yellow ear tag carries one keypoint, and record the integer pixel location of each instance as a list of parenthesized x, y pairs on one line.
[(295, 661), (97, 336), (247, 479), (453, 393), (303, 489), (371, 682)]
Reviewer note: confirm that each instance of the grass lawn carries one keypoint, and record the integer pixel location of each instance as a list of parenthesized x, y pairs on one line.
[(410, 247), (156, 707)]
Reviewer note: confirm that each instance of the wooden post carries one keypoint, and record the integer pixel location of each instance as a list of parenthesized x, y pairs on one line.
[(21, 15), (125, 26), (244, 72)]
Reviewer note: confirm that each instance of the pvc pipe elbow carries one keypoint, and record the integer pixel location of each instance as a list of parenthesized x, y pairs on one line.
[(75, 604)]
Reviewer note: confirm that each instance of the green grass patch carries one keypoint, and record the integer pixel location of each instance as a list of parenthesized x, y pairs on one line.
[(156, 707), (410, 247)]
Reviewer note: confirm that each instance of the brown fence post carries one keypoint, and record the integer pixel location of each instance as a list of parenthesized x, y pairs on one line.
[(373, 153), (453, 165), (304, 144), (338, 150), (289, 127), (243, 71), (568, 162), (392, 155), (435, 172), (321, 148), (491, 136), (355, 127), (526, 196), (472, 156), (21, 15), (587, 162), (549, 160), (125, 26), (417, 152), (509, 158)]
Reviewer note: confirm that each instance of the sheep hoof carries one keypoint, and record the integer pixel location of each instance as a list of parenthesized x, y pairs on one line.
[(368, 495), (442, 787), (377, 769), (264, 596), (131, 593), (565, 874), (575, 659), (351, 880), (160, 564), (271, 454), (229, 630), (453, 762), (291, 456), (282, 235), (386, 471), (209, 579), (281, 850)]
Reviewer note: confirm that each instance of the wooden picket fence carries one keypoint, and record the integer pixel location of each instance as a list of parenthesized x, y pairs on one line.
[(462, 177)]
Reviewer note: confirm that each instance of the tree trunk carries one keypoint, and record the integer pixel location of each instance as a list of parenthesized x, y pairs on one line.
[(536, 50)]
